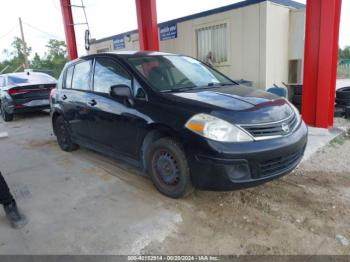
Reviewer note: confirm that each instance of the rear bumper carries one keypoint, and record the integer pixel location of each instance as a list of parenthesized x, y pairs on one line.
[(30, 109), (21, 106), (228, 166)]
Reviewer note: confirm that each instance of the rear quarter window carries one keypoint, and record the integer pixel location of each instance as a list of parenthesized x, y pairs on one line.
[(81, 75), (68, 79)]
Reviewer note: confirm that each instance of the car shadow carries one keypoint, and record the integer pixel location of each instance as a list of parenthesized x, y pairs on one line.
[(32, 115)]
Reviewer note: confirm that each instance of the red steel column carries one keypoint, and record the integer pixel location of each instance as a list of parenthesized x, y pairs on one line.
[(320, 61), (147, 22), (69, 28)]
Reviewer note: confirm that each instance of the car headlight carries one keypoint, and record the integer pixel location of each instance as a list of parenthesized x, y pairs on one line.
[(216, 129)]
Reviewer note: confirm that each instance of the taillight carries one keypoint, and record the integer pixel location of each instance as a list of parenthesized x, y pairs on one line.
[(53, 92), (15, 91)]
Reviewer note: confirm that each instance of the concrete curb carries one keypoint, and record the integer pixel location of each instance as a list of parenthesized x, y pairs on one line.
[(321, 137)]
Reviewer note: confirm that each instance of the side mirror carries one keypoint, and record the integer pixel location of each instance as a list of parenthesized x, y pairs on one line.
[(122, 91)]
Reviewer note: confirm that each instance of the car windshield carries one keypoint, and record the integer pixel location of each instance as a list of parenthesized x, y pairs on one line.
[(31, 78), (175, 73)]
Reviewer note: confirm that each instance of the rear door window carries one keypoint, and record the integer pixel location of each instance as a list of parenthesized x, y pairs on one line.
[(81, 75), (109, 73)]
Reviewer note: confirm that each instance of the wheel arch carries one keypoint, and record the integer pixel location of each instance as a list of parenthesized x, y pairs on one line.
[(153, 133), (55, 115)]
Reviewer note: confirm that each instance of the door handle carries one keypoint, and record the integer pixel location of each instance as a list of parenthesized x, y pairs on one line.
[(64, 97), (92, 102)]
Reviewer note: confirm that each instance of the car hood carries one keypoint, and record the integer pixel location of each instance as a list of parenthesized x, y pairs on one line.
[(236, 104)]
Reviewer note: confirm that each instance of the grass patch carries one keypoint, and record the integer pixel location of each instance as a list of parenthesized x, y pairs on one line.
[(338, 141)]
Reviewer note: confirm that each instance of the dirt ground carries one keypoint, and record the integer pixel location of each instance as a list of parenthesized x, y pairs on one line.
[(86, 203), (301, 213)]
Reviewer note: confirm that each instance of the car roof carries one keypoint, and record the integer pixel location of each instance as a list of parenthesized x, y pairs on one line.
[(25, 78), (139, 53), (128, 54), (122, 54), (19, 74)]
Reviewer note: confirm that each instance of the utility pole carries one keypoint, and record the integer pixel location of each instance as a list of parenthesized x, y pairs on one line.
[(4, 69), (26, 64)]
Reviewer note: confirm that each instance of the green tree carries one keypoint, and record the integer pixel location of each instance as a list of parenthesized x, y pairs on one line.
[(56, 56), (14, 58), (56, 49), (344, 53), (36, 63), (20, 49), (54, 59)]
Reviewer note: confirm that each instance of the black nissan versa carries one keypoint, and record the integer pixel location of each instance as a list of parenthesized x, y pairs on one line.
[(185, 123)]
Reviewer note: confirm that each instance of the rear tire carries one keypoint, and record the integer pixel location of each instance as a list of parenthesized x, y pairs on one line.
[(343, 93), (168, 168), (342, 101), (63, 135), (347, 112), (6, 116)]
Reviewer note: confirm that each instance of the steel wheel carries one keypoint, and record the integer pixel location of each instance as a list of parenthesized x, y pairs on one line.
[(165, 165), (168, 168)]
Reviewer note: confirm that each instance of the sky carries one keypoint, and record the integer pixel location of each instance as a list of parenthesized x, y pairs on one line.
[(42, 19)]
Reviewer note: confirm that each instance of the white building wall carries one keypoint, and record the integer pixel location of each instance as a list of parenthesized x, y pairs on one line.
[(99, 47), (244, 41), (297, 40), (252, 46), (297, 34), (277, 44), (258, 41)]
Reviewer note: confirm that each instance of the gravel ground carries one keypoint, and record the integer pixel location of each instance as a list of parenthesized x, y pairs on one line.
[(306, 212), (95, 205)]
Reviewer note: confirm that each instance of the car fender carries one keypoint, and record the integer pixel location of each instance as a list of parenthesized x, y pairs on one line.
[(153, 132), (55, 111)]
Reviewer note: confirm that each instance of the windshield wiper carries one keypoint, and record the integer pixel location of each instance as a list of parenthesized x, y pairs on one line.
[(228, 84), (187, 88), (220, 84), (179, 89)]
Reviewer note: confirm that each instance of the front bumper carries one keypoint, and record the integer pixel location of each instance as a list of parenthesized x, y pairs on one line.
[(227, 166)]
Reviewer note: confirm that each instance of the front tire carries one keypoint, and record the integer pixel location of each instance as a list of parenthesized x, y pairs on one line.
[(64, 138), (6, 116), (168, 168)]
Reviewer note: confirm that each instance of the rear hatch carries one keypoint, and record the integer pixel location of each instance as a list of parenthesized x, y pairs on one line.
[(32, 95), (31, 89)]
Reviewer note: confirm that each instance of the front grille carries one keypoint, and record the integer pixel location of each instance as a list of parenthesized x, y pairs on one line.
[(279, 164), (280, 128)]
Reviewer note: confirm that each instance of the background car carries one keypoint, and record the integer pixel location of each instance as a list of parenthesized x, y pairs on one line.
[(24, 92), (182, 121)]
